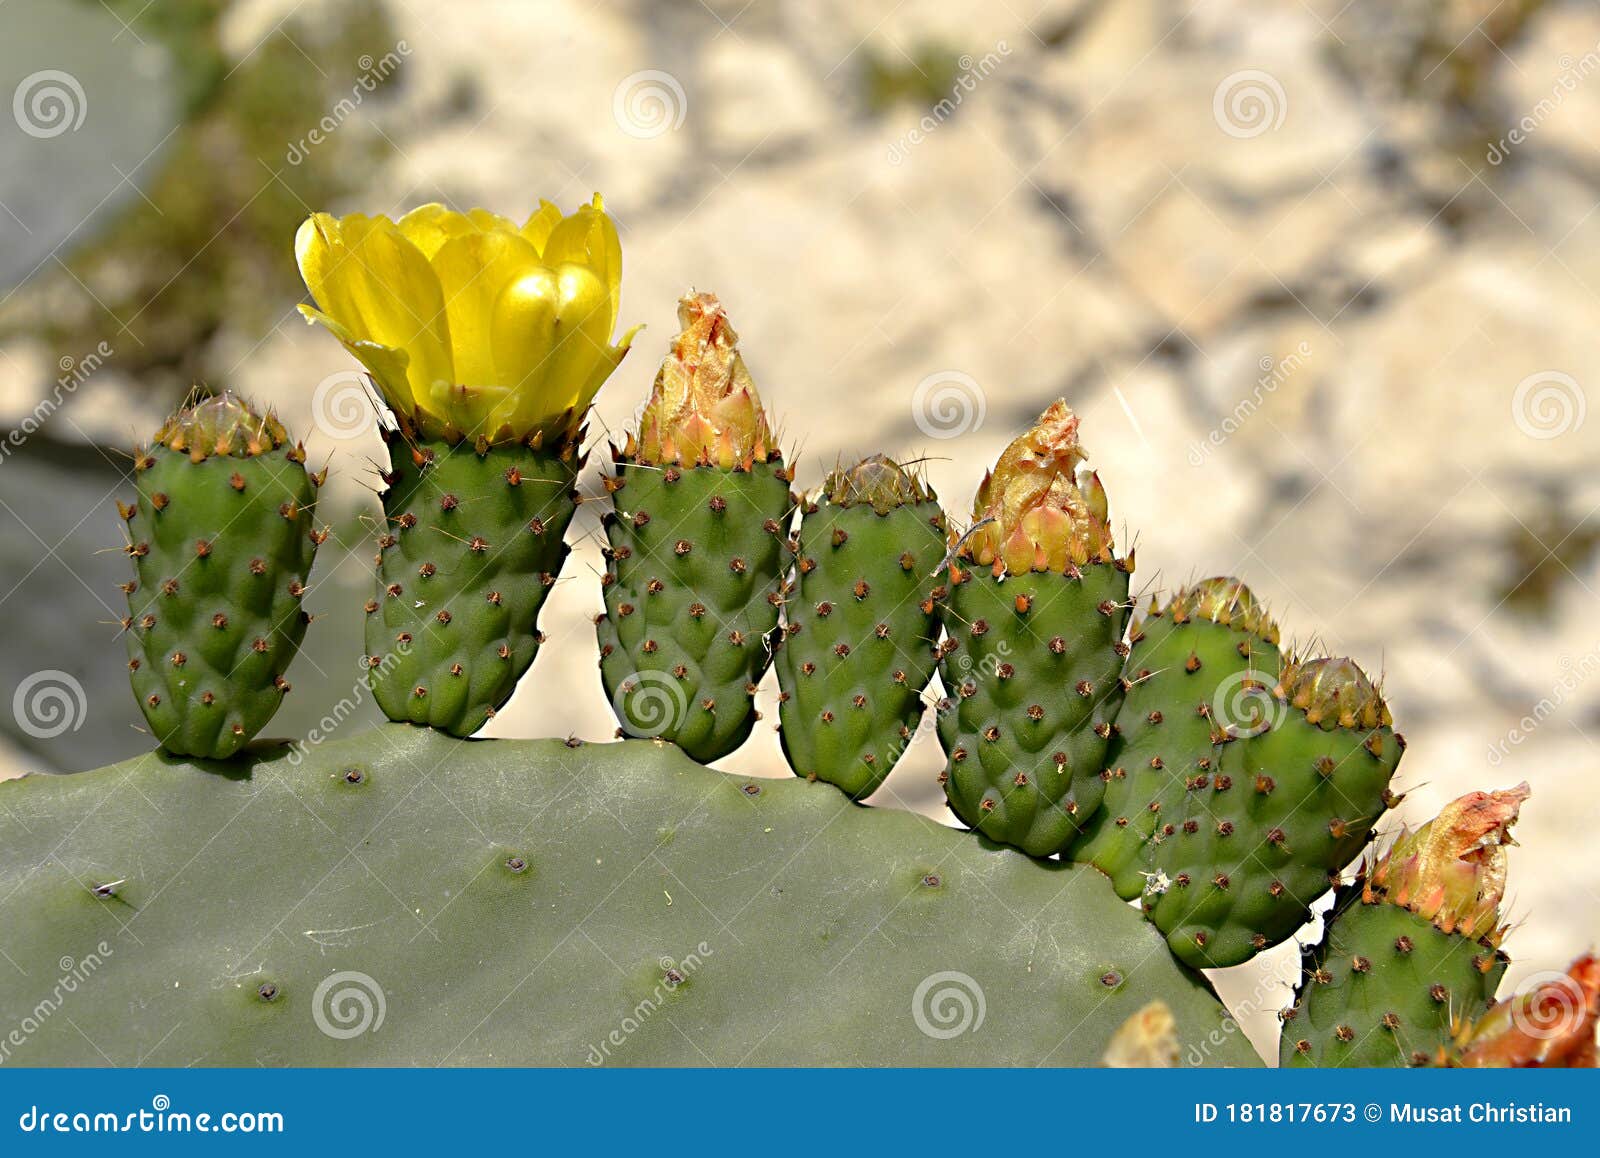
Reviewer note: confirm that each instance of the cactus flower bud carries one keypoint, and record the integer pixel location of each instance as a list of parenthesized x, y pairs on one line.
[(877, 481), (1333, 693), (223, 424), (1452, 870), (1552, 1024), (1221, 599), (1041, 508), (704, 409)]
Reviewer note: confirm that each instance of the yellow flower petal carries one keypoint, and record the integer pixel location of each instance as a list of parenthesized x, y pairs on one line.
[(539, 224), (473, 269), (369, 278), (387, 365), (521, 330), (589, 238)]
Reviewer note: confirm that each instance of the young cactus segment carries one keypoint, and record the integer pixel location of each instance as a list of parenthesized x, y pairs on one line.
[(859, 644), (1208, 656), (695, 548), (488, 341), (1291, 800), (473, 544), (1552, 1025), (1035, 619), (222, 543), (1411, 950)]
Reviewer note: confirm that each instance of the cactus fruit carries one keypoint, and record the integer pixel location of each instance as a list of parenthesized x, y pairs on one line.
[(1034, 618), (1411, 950), (488, 343), (1205, 659), (707, 919), (222, 543), (1552, 1024), (862, 626), (695, 547), (1285, 809)]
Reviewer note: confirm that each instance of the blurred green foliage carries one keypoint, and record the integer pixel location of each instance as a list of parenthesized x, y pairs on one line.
[(923, 77), (207, 247)]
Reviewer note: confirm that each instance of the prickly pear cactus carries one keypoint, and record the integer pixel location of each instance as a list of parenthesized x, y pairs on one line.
[(1291, 801), (695, 548), (403, 898), (473, 544), (222, 542), (1411, 950), (1197, 660), (862, 628), (487, 342), (1035, 618)]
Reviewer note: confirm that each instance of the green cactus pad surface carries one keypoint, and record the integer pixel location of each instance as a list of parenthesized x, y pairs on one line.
[(1181, 676), (471, 546), (1383, 987), (1253, 843), (696, 558), (1032, 687), (222, 544), (860, 642), (399, 897)]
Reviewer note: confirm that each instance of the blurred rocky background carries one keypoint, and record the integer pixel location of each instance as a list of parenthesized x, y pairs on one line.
[(1323, 277)]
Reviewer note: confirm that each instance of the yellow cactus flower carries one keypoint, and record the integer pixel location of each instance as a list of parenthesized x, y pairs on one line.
[(472, 327)]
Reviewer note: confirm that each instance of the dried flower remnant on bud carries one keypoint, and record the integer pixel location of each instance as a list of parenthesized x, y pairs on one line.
[(1552, 1025), (704, 409), (1041, 508), (1452, 870)]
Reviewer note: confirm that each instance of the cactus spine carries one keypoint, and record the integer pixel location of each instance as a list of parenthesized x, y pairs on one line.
[(862, 627), (488, 342), (695, 547), (222, 543), (1035, 619)]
